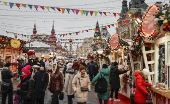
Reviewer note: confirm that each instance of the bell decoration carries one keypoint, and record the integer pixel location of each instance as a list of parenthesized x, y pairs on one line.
[(165, 28), (160, 21), (166, 22)]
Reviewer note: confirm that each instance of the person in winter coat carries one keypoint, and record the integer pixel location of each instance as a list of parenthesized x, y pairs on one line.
[(17, 97), (26, 86), (56, 85), (92, 70), (140, 92), (68, 84), (115, 80), (7, 90), (81, 79), (41, 81), (106, 73)]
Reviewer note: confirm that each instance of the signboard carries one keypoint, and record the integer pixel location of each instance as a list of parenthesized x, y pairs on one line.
[(148, 21), (114, 41)]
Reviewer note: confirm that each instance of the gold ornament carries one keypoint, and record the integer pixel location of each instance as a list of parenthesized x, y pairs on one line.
[(166, 22), (15, 43)]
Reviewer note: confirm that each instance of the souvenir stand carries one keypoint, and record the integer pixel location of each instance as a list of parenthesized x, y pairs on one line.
[(155, 29), (10, 50)]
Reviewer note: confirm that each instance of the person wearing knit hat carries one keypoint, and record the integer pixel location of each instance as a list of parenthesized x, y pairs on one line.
[(26, 89), (115, 81), (112, 64)]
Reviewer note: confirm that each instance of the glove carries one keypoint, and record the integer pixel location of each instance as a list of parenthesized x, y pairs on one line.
[(147, 96)]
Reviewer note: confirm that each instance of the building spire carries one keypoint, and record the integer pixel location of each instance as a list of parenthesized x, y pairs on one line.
[(34, 29), (53, 30)]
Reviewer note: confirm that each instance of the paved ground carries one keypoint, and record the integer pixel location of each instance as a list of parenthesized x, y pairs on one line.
[(92, 99)]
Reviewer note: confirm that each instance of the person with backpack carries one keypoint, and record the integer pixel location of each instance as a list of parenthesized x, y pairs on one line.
[(102, 86), (115, 80), (41, 81), (6, 85)]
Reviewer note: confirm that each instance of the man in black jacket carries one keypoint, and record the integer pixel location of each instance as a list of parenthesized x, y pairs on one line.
[(7, 90), (41, 81), (115, 80)]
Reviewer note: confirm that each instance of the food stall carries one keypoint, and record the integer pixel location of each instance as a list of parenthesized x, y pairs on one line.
[(156, 52), (10, 50)]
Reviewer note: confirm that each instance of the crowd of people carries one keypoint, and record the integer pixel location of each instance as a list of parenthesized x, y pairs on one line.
[(75, 78)]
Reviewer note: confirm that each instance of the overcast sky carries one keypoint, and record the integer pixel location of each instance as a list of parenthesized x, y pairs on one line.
[(22, 20)]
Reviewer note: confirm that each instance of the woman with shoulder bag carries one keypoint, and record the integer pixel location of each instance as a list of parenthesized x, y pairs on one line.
[(6, 86), (81, 86), (56, 85)]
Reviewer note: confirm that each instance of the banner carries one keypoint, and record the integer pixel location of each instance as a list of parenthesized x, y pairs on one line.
[(63, 10)]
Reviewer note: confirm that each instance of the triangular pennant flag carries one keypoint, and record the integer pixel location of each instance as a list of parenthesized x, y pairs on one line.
[(100, 13), (112, 25), (53, 8), (68, 10), (73, 10), (69, 33), (11, 4), (108, 26), (47, 7), (24, 5), (30, 6), (77, 33), (114, 14), (87, 30), (42, 7), (130, 15), (63, 9), (126, 21), (94, 29), (105, 26), (127, 15), (104, 13), (137, 16), (91, 13), (77, 11), (95, 13), (118, 14), (5, 3), (120, 23), (82, 12), (59, 9), (116, 24), (36, 7), (18, 5), (86, 12)]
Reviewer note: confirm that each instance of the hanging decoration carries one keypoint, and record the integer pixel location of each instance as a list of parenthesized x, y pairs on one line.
[(15, 43), (62, 10), (138, 42)]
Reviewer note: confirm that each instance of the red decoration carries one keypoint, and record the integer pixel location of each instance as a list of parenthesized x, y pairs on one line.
[(154, 35), (31, 53), (139, 30), (165, 28), (139, 38)]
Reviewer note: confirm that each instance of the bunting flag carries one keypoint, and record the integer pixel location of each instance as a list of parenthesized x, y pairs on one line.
[(120, 23), (11, 4), (62, 10)]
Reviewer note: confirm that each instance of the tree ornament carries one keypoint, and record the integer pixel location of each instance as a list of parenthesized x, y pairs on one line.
[(165, 28), (160, 21), (154, 34), (139, 30), (166, 22), (156, 19), (139, 38)]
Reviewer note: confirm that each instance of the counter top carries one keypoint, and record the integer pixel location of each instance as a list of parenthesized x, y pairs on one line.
[(162, 92)]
